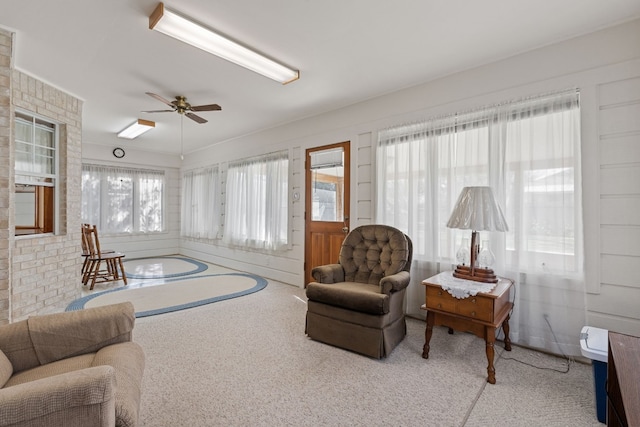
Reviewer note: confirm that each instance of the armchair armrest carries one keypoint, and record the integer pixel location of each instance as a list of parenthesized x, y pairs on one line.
[(61, 335), (83, 397), (330, 273), (395, 282)]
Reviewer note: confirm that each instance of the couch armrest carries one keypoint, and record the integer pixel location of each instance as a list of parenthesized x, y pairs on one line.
[(78, 398), (395, 282), (61, 335), (330, 273)]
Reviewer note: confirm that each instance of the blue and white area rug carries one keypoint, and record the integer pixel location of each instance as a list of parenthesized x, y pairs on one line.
[(177, 294), (163, 267)]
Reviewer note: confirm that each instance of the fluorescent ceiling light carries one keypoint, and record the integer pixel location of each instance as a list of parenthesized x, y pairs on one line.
[(137, 128), (172, 24)]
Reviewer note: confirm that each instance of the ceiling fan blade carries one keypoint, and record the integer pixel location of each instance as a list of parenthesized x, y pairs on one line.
[(158, 111), (195, 118), (159, 98), (209, 107)]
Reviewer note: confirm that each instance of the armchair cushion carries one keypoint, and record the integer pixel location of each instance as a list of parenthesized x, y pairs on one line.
[(360, 297), (51, 369), (370, 253), (6, 369)]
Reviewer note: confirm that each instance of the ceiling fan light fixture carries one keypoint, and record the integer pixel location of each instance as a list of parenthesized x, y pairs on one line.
[(136, 129), (184, 29)]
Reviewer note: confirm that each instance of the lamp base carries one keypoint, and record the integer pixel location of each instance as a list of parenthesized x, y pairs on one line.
[(477, 274)]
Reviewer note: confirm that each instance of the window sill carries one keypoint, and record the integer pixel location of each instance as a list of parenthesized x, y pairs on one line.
[(23, 234)]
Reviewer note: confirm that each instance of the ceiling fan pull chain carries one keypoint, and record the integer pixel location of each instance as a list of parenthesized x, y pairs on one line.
[(181, 137)]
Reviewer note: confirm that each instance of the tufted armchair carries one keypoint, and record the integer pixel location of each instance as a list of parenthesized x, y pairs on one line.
[(357, 304)]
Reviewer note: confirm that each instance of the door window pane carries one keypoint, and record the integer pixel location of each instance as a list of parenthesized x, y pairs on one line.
[(327, 185)]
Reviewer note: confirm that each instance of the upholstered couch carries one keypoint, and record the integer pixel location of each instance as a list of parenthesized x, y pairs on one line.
[(358, 303), (79, 368)]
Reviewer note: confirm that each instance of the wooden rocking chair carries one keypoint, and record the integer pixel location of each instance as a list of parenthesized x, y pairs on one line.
[(85, 251), (113, 269)]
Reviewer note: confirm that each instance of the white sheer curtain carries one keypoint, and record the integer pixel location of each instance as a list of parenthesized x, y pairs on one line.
[(529, 153), (201, 203), (123, 200), (257, 202), (149, 201)]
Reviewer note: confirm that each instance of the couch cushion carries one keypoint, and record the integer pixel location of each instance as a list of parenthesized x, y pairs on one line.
[(362, 297), (50, 369), (6, 369), (371, 252)]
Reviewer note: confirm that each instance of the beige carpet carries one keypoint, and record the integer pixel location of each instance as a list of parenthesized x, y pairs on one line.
[(247, 362)]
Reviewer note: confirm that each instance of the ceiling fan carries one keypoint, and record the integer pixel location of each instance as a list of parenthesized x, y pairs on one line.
[(181, 106)]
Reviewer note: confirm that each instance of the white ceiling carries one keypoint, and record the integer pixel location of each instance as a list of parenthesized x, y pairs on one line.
[(346, 50)]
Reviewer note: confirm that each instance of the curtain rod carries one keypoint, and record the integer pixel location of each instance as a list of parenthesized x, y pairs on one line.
[(259, 157), (126, 168), (455, 115)]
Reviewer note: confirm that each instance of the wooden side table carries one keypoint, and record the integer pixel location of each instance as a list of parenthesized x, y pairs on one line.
[(481, 314)]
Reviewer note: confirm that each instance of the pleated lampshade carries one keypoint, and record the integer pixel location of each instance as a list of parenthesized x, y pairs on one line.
[(477, 209)]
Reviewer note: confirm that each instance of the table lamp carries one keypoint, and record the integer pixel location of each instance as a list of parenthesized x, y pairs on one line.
[(476, 210)]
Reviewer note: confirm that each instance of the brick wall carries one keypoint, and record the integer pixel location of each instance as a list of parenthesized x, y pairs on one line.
[(39, 274), (6, 175)]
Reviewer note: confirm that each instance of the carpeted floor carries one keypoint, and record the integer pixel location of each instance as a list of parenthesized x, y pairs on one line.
[(247, 362)]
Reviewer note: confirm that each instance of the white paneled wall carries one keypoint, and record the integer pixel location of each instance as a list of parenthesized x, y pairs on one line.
[(364, 180), (296, 174), (616, 302)]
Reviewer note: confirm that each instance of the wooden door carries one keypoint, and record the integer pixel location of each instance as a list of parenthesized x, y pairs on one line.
[(327, 184)]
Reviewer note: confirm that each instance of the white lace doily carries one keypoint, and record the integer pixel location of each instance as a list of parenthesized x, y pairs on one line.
[(460, 288)]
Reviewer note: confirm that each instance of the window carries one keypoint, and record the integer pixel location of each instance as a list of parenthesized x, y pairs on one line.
[(36, 174), (528, 152), (257, 203), (201, 203), (123, 200)]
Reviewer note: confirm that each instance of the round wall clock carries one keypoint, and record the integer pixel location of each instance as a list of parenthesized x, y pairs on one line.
[(118, 152)]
